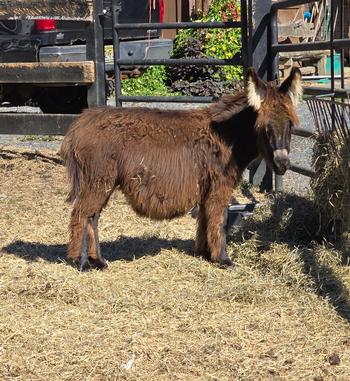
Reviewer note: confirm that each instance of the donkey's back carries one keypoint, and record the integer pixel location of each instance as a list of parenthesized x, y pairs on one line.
[(131, 125)]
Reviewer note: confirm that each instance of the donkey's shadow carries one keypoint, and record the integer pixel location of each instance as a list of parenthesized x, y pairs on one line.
[(294, 221), (125, 248)]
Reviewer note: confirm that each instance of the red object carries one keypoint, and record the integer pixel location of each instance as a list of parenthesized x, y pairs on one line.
[(161, 10), (44, 25)]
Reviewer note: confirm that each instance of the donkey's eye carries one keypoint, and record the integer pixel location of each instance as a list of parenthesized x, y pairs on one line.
[(269, 131)]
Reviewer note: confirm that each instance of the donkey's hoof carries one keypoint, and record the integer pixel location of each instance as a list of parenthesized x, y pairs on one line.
[(227, 264), (203, 254), (83, 265), (99, 264)]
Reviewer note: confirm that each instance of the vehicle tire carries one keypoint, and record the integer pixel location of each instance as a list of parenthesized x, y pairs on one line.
[(63, 100)]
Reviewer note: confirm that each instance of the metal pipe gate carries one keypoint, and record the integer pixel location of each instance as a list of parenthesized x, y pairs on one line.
[(332, 44), (241, 59)]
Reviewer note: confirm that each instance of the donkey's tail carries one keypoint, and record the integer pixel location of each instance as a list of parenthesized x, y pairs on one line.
[(73, 169)]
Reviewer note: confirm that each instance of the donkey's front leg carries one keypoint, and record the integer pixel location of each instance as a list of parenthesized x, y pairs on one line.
[(216, 214), (201, 246)]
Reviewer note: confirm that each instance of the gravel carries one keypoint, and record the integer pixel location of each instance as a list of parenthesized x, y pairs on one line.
[(300, 154), (301, 148)]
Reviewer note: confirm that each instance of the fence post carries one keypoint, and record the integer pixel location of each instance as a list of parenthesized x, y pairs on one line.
[(116, 9), (274, 73), (260, 36), (95, 52), (259, 41), (244, 33)]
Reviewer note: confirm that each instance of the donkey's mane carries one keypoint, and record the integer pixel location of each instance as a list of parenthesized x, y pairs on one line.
[(228, 106)]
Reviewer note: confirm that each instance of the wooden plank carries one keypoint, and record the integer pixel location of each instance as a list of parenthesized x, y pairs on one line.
[(297, 29), (308, 70), (36, 9), (313, 54), (35, 124), (322, 66), (48, 72)]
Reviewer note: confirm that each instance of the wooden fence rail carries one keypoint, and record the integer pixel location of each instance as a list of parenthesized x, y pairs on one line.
[(56, 9)]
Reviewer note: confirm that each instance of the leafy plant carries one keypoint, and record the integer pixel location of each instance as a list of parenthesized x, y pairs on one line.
[(151, 82), (192, 47), (223, 43), (192, 43), (213, 43), (208, 87)]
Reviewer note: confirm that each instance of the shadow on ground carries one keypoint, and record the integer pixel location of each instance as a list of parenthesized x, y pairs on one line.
[(125, 248), (294, 221)]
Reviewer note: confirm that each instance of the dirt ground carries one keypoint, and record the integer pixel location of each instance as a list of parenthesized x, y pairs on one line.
[(158, 312)]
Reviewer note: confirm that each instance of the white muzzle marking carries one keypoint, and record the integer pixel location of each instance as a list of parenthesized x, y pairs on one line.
[(280, 154)]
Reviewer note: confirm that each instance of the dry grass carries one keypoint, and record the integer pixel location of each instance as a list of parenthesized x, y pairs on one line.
[(331, 185), (158, 313)]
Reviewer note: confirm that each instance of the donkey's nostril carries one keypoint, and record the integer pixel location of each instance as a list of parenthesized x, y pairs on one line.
[(282, 163)]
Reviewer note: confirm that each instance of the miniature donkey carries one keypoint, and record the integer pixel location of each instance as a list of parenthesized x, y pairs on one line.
[(165, 161)]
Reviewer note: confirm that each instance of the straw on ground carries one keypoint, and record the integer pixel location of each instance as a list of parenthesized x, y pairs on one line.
[(159, 313)]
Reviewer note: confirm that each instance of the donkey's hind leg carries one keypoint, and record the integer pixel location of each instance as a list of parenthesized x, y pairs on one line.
[(84, 247), (94, 253), (201, 246), (78, 243)]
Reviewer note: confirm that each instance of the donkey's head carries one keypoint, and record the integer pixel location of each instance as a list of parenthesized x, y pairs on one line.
[(275, 107)]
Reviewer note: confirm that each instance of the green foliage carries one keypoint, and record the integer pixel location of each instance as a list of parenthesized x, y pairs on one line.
[(151, 82), (216, 43), (39, 138)]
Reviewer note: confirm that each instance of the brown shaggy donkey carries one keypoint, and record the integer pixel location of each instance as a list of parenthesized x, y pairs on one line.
[(165, 162)]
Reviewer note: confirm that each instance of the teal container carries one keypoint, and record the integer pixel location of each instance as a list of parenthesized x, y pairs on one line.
[(337, 67)]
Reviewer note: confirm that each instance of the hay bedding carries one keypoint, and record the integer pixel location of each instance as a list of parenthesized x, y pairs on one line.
[(157, 313), (331, 160), (331, 186)]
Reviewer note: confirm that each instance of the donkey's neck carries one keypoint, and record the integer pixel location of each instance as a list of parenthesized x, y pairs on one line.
[(237, 130)]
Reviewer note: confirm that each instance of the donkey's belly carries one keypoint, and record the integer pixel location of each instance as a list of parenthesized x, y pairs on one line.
[(162, 194), (160, 182), (161, 202)]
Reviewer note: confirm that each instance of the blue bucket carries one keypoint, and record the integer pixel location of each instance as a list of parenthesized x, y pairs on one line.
[(337, 67)]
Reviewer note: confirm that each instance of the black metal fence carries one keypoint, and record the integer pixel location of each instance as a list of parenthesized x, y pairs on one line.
[(239, 59), (332, 118), (256, 17), (332, 44)]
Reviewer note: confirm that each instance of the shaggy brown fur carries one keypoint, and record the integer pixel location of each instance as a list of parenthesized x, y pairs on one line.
[(165, 162)]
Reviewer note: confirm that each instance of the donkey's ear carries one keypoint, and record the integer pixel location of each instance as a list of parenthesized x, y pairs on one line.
[(292, 86), (256, 89)]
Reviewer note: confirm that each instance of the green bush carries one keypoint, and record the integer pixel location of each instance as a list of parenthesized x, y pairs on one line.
[(224, 43), (151, 82), (191, 80), (216, 43)]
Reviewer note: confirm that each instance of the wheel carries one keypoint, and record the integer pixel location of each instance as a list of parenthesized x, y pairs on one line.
[(63, 100)]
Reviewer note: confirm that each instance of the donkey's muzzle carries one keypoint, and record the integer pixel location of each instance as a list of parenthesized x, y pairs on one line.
[(280, 161)]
